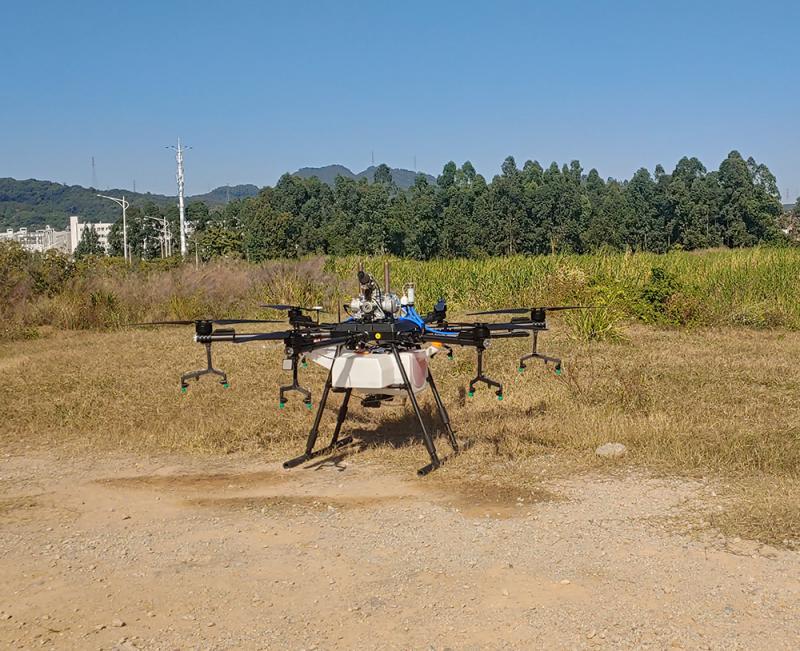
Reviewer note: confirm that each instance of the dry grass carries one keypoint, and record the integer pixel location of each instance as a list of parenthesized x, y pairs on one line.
[(755, 288), (719, 403)]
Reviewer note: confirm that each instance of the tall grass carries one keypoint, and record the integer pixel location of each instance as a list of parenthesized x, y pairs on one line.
[(755, 288), (747, 287)]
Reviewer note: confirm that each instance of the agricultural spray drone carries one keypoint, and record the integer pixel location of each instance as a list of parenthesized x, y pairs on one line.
[(381, 350)]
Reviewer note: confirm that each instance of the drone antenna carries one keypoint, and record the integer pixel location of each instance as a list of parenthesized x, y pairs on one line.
[(386, 276)]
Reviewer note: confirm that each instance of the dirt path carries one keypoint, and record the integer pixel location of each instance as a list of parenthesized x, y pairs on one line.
[(165, 553)]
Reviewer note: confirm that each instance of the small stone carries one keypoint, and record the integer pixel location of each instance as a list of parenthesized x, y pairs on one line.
[(591, 634), (565, 582), (117, 623), (505, 593), (611, 450)]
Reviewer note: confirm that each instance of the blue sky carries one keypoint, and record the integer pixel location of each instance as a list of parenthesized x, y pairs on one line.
[(259, 88)]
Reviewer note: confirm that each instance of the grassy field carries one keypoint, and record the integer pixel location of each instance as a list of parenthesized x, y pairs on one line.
[(691, 363), (699, 402)]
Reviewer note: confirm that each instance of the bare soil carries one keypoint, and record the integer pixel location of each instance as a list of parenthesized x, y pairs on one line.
[(225, 552)]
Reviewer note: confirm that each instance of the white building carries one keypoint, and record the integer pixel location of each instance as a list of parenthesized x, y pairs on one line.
[(76, 228), (39, 240)]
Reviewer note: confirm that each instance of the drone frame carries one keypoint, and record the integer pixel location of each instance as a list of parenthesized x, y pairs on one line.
[(392, 334)]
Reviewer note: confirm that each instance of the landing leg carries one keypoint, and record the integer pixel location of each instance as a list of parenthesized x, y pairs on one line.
[(426, 437), (443, 413), (310, 453), (295, 386), (312, 435), (534, 354), (339, 420), (209, 370), (480, 377)]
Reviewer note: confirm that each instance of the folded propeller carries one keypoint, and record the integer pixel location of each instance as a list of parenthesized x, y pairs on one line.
[(292, 308), (526, 310)]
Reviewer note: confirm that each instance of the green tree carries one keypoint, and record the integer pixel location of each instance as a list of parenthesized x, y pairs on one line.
[(383, 174), (89, 243)]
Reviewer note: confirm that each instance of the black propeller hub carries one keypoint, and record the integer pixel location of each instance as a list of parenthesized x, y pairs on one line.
[(203, 327)]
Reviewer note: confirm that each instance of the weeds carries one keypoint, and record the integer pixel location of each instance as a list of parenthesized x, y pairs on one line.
[(754, 288), (599, 324)]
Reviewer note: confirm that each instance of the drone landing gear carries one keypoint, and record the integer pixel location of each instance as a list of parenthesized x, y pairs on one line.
[(480, 377), (336, 443), (443, 415), (295, 386), (209, 370), (426, 437), (534, 354)]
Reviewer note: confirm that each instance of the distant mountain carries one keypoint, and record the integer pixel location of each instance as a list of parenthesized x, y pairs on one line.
[(327, 174), (225, 193), (33, 204)]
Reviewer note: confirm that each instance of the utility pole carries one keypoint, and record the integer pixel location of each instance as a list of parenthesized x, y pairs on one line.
[(179, 149), (124, 204)]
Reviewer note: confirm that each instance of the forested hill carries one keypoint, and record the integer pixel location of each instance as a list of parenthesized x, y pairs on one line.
[(527, 209), (402, 178), (225, 193), (34, 203)]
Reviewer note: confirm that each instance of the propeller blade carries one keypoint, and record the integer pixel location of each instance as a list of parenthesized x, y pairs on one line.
[(526, 310), (556, 308), (510, 310), (277, 306), (163, 323), (233, 321), (217, 321), (465, 327)]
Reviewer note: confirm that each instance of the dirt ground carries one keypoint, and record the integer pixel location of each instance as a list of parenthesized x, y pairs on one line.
[(224, 552)]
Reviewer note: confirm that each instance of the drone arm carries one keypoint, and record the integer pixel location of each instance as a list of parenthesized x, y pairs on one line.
[(309, 345), (469, 338)]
